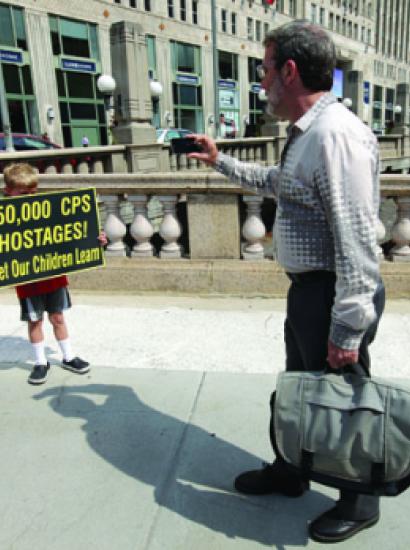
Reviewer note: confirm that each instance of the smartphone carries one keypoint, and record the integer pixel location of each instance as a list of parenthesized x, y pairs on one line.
[(185, 145)]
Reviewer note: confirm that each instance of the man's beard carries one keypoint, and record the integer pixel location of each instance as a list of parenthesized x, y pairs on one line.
[(274, 97)]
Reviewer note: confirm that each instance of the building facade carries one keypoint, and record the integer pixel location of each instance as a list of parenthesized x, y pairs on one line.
[(53, 52)]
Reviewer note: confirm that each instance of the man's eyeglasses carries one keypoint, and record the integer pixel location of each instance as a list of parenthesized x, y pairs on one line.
[(262, 70)]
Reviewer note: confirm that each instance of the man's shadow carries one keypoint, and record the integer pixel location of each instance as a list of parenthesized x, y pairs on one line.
[(190, 469)]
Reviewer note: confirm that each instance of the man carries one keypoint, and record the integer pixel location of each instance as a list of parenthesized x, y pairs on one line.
[(327, 194)]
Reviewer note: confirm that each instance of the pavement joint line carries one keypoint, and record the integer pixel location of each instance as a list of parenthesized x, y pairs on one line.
[(165, 485)]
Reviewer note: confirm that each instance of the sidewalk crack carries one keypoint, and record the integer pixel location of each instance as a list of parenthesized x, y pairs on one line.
[(163, 488)]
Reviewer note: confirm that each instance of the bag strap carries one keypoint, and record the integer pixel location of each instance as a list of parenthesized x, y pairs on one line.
[(356, 368), (306, 464), (378, 474)]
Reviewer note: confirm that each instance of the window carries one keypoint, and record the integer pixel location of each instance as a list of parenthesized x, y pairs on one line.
[(223, 20), (322, 16), (133, 3), (228, 65), (182, 11), (313, 13), (265, 28), (369, 36), (292, 8), (331, 21), (253, 62), (75, 38), (147, 5), (170, 8), (195, 12), (151, 55), (389, 104), (12, 30), (350, 29), (233, 23), (356, 31), (258, 31), (249, 28), (185, 57)]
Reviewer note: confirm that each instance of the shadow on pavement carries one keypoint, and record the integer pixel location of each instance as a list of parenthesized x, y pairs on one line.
[(17, 352), (190, 469)]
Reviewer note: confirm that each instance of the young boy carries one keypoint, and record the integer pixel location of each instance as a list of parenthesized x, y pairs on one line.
[(49, 295)]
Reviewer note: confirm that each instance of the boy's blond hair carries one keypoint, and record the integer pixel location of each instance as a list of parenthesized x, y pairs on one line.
[(20, 175)]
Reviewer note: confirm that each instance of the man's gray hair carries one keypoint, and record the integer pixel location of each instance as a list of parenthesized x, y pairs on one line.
[(310, 47)]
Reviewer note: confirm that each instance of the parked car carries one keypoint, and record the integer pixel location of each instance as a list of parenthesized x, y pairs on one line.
[(28, 142), (164, 135)]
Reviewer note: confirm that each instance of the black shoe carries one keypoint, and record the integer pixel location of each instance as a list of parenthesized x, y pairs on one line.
[(272, 478), (330, 527), (76, 365), (38, 374)]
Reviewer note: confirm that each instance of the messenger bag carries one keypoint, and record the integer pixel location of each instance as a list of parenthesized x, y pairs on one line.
[(344, 430)]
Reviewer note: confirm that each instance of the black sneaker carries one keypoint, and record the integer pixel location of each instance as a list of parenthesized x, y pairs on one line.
[(39, 374), (271, 478), (76, 365)]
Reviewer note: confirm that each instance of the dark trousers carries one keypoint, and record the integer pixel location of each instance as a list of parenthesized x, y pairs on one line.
[(309, 305)]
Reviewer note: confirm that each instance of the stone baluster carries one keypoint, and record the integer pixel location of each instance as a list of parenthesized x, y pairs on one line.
[(82, 166), (141, 229), (170, 229), (66, 166), (182, 161), (172, 162), (253, 229), (50, 168), (114, 227), (380, 235), (258, 153), (401, 231), (97, 166)]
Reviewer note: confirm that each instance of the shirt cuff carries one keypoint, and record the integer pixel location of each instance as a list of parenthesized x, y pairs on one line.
[(345, 337), (224, 163)]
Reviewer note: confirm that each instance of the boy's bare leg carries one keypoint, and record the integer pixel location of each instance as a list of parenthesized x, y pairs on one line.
[(35, 331), (59, 326)]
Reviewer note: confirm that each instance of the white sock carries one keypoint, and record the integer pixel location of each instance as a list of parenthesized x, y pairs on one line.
[(40, 353), (65, 346)]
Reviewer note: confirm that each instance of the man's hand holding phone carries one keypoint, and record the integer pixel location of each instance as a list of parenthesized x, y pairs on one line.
[(197, 146)]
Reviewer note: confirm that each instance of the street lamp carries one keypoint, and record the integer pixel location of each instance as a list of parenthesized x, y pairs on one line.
[(155, 88), (347, 102), (106, 85)]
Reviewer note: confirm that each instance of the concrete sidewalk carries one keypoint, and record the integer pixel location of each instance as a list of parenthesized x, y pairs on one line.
[(140, 453)]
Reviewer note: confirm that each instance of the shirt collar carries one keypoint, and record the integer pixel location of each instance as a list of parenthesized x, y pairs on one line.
[(317, 108)]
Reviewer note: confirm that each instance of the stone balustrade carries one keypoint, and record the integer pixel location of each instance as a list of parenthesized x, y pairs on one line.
[(73, 160), (150, 158), (202, 215)]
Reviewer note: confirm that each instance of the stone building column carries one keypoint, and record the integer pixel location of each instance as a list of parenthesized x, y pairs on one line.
[(132, 94), (43, 73)]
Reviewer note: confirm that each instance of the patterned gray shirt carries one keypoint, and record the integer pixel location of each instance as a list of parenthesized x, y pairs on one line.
[(327, 193)]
